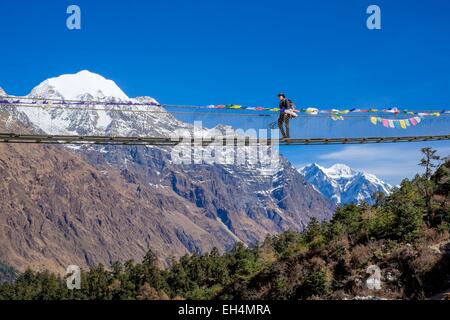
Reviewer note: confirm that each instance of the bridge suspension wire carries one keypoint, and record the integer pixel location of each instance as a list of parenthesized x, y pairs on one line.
[(57, 107), (17, 100), (212, 112), (225, 141)]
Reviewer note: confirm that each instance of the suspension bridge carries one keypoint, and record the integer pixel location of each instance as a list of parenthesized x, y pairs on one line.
[(136, 107), (205, 141)]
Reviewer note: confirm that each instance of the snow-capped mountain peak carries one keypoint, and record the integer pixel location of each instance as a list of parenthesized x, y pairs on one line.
[(2, 92), (339, 170), (83, 85), (342, 184), (99, 119)]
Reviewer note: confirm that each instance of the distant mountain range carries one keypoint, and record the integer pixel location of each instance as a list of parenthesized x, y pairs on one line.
[(343, 185), (90, 204)]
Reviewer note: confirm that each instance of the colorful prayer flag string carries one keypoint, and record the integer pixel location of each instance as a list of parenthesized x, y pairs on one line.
[(393, 123)]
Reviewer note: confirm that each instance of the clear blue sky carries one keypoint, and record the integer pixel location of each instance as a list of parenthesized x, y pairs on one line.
[(228, 51)]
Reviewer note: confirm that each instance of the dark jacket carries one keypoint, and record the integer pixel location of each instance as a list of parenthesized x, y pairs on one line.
[(284, 105)]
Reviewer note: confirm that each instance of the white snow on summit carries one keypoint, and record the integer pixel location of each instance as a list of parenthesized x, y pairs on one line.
[(83, 85), (343, 185), (99, 119), (339, 171)]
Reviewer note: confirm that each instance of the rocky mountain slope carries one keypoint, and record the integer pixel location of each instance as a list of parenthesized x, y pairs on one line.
[(343, 185), (96, 204), (58, 209)]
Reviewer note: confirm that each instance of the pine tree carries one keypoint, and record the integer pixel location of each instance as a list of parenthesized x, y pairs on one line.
[(428, 161), (427, 186)]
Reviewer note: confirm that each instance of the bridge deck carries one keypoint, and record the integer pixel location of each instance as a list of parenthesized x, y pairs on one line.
[(163, 141)]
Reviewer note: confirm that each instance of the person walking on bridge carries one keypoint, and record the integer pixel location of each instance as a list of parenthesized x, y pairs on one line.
[(286, 113)]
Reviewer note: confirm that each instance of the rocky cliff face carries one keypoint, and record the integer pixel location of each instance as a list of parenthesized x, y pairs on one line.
[(250, 204), (57, 209), (97, 204)]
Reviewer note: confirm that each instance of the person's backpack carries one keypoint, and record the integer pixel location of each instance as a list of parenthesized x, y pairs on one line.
[(290, 108), (290, 104)]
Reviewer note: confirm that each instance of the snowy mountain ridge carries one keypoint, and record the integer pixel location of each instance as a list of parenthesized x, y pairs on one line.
[(341, 184), (83, 85), (108, 119)]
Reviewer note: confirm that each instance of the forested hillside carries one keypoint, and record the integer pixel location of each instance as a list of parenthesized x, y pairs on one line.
[(406, 235)]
